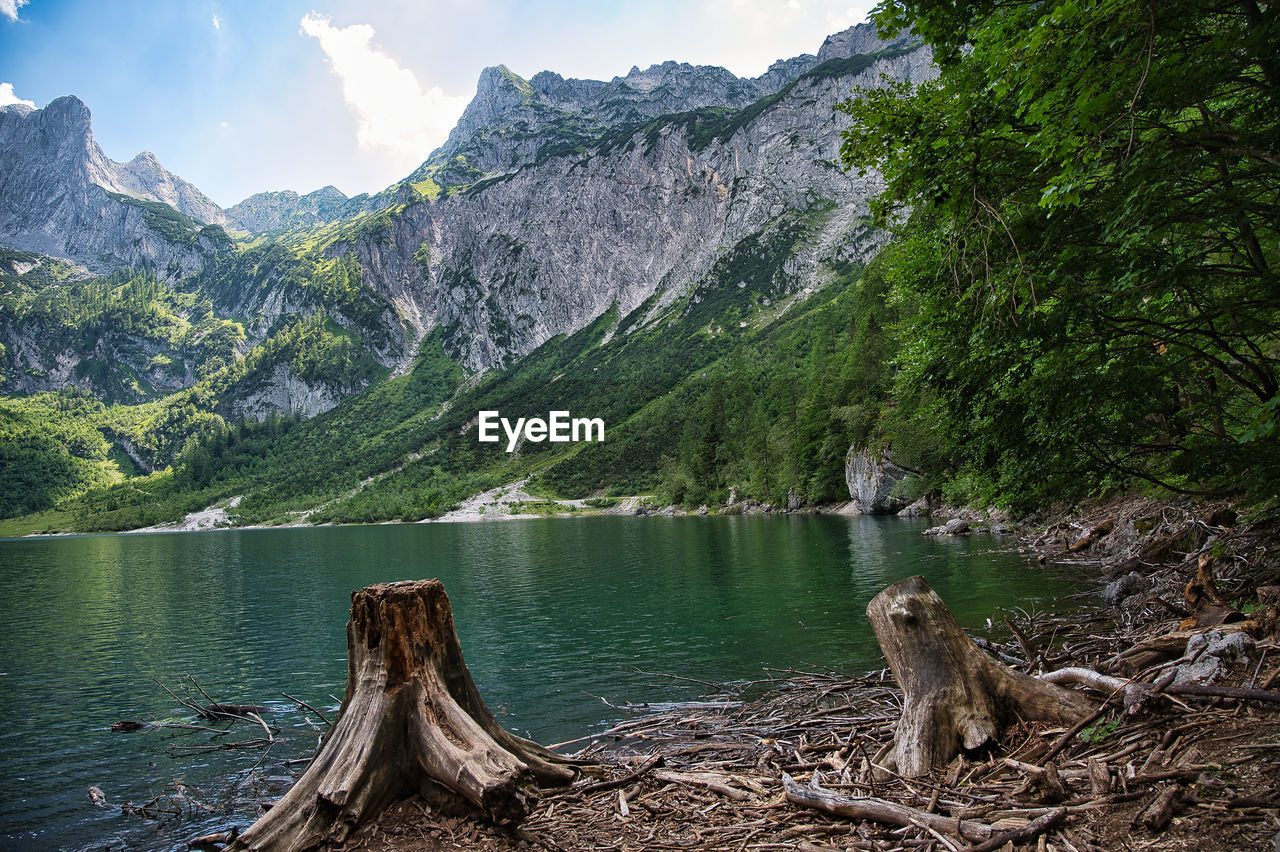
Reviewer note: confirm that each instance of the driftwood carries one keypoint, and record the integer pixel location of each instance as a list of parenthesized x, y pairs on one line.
[(1087, 540), (812, 795), (1160, 810), (411, 721), (1031, 830), (1208, 608), (129, 725), (221, 711), (953, 693), (1164, 647)]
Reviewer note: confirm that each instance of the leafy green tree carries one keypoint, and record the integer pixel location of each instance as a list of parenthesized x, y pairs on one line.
[(1096, 185)]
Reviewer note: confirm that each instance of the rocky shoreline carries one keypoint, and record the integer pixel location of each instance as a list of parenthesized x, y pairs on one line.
[(1186, 769)]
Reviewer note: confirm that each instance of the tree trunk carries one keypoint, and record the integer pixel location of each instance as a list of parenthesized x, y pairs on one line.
[(411, 722), (954, 695)]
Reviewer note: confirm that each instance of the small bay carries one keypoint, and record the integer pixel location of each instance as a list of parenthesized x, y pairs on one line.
[(558, 618)]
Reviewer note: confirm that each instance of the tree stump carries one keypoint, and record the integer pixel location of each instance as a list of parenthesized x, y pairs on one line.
[(954, 695), (412, 721)]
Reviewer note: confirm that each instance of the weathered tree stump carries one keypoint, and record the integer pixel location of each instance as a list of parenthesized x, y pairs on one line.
[(954, 695), (411, 722)]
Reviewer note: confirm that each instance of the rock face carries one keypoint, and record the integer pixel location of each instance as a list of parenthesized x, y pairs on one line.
[(871, 476), (144, 177), (553, 201), (275, 211), (512, 121), (517, 258), (113, 368), (61, 196), (284, 391)]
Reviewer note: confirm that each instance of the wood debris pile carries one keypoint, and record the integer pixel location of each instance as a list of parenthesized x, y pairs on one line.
[(1169, 760), (714, 779)]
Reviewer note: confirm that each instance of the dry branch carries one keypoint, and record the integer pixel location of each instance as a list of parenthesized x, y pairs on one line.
[(878, 810)]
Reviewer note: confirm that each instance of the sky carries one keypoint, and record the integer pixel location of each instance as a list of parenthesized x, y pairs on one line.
[(244, 96)]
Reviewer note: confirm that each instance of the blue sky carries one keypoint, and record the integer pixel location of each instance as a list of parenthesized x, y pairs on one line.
[(239, 97)]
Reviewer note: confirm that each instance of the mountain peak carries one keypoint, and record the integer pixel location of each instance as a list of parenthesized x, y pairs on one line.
[(859, 39), (503, 126), (329, 192), (263, 212), (66, 119), (55, 171), (68, 106), (18, 109), (497, 77)]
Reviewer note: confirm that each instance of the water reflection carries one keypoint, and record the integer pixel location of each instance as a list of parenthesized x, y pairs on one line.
[(552, 614)]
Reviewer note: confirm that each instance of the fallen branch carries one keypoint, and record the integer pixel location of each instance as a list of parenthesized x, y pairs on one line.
[(1107, 683), (1085, 677), (302, 703), (879, 810), (1031, 830), (712, 781), (1241, 692), (596, 786)]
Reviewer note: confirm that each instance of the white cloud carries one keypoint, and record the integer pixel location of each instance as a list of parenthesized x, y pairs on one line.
[(7, 96), (840, 20), (9, 8), (217, 24), (746, 36), (394, 113)]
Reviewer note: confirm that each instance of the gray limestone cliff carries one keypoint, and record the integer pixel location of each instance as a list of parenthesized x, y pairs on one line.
[(512, 121), (144, 177), (275, 211), (61, 196), (553, 201), (512, 260), (873, 477)]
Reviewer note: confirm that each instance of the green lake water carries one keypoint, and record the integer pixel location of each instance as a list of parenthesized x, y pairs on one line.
[(553, 615)]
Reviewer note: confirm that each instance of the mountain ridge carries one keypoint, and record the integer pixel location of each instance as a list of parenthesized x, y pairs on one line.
[(641, 219), (61, 196)]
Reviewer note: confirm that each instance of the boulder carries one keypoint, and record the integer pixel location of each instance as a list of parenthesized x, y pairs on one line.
[(794, 500), (918, 509), (955, 526), (1217, 652), (871, 476), (1131, 584)]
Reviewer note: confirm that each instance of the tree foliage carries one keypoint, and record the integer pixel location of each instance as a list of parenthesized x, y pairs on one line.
[(1096, 197), (48, 452)]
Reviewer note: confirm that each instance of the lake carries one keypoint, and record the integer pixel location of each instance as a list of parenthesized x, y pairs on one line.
[(556, 618)]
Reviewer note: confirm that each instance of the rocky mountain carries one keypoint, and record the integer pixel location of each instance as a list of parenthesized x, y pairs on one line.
[(552, 202), (144, 177), (512, 122), (277, 211), (577, 224), (61, 196)]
